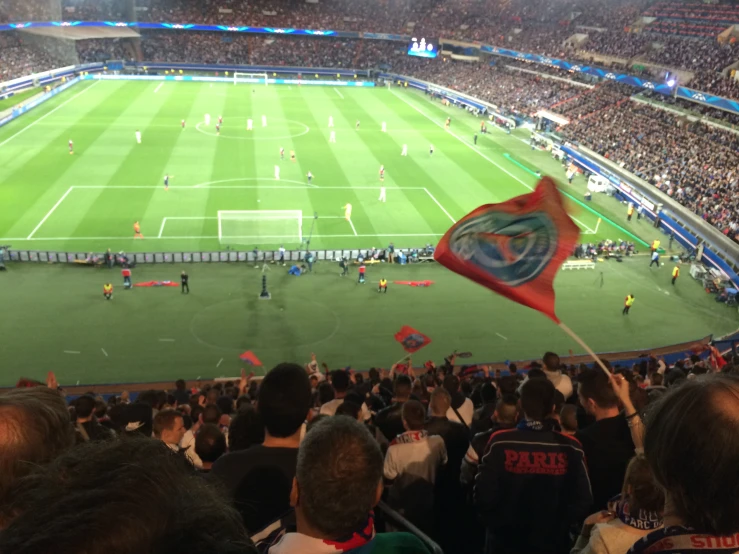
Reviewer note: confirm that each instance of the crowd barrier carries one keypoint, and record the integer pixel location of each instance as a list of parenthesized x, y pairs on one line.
[(214, 79)]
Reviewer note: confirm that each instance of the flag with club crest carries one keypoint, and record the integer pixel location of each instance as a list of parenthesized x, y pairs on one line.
[(410, 339), (514, 248)]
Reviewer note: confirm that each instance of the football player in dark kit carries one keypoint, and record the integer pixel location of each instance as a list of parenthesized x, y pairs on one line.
[(185, 282)]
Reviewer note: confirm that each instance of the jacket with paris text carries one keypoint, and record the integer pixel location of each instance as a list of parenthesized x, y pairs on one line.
[(532, 486)]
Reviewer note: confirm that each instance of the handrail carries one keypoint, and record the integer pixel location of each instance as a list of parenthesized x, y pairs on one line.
[(399, 521)]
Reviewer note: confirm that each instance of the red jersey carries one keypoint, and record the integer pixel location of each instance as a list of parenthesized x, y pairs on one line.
[(220, 120), (183, 123), (71, 144), (126, 272), (361, 268)]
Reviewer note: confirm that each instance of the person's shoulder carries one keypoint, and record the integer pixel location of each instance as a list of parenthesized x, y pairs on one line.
[(398, 543)]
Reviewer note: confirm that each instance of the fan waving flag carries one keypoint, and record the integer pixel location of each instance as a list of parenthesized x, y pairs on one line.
[(411, 339), (514, 248)]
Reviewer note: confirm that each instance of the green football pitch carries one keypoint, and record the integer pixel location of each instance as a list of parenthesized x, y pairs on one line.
[(55, 317)]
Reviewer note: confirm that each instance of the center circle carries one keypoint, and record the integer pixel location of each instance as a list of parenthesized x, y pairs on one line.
[(240, 324), (237, 131)]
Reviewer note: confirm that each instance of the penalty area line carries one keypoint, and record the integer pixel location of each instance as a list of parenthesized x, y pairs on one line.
[(161, 229), (51, 211), (157, 89), (104, 352), (339, 93), (353, 228), (440, 206), (219, 363), (166, 340), (72, 352), (501, 336)]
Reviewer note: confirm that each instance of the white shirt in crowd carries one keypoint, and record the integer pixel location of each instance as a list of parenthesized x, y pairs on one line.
[(421, 458), (330, 407), (561, 382), (466, 410)]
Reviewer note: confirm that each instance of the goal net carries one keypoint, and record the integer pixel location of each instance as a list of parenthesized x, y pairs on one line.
[(260, 226), (253, 78)]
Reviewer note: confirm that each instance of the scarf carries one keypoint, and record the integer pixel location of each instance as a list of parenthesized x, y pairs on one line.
[(643, 520), (291, 541), (410, 437), (683, 540), (533, 425)]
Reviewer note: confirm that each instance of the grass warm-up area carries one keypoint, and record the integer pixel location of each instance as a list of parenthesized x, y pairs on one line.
[(56, 317)]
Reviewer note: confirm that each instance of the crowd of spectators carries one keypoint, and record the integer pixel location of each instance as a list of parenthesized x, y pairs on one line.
[(100, 50), (19, 60), (695, 163), (594, 100), (542, 459), (196, 47)]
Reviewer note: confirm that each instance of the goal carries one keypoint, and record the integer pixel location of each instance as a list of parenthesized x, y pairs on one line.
[(260, 226), (254, 78)]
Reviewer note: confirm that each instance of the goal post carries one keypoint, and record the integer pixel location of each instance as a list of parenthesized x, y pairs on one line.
[(260, 226), (252, 78)]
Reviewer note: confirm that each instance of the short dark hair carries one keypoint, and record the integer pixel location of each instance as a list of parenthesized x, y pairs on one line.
[(325, 392), (508, 384), (692, 444), (212, 414), (340, 380), (656, 379), (414, 415), (451, 383), (536, 373), (347, 408), (84, 406), (551, 361), (284, 399), (34, 429), (593, 384), (568, 417), (163, 500), (225, 404), (165, 419), (246, 429), (537, 399), (180, 384), (210, 443), (488, 393), (338, 455), (507, 409), (402, 386)]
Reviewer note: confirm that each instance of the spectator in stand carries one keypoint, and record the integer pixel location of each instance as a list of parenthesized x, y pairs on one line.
[(86, 425), (630, 516), (532, 457), (181, 394), (210, 444), (504, 417), (691, 445), (607, 443), (482, 420), (462, 409), (210, 414), (568, 419), (169, 427), (246, 429), (389, 420), (412, 463), (34, 429), (336, 456), (455, 435), (119, 497), (552, 369), (340, 382), (259, 478)]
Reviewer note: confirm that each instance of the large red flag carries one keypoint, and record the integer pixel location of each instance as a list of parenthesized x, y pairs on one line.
[(514, 248)]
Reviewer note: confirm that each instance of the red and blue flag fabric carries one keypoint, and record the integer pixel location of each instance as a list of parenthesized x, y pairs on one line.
[(250, 358), (410, 339), (514, 248)]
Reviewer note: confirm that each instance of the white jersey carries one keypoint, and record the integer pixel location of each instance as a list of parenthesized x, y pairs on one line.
[(330, 121), (383, 195), (138, 137), (404, 152), (277, 172), (264, 121), (249, 125), (332, 136), (384, 127), (207, 119)]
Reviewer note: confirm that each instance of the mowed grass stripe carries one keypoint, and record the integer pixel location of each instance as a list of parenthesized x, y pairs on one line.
[(45, 173), (418, 170)]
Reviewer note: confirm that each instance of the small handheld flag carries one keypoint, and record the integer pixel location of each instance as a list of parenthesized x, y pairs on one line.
[(410, 339), (514, 248)]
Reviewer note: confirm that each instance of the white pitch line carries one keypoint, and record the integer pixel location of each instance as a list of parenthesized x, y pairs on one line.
[(269, 187), (161, 229), (205, 237), (353, 228), (51, 211), (166, 340), (72, 352), (201, 217), (219, 363), (60, 106), (439, 204), (157, 89), (339, 93), (501, 336), (104, 352), (478, 152)]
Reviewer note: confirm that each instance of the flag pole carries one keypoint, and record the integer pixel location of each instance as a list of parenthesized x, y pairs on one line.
[(581, 342)]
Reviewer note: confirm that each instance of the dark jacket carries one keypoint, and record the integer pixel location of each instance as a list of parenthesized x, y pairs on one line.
[(608, 448), (531, 487), (390, 421), (456, 439)]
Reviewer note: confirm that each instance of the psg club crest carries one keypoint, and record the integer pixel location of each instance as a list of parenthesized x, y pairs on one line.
[(410, 339), (514, 248)]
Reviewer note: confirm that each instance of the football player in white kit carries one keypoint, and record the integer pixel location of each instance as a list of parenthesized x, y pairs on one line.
[(207, 119), (249, 125), (384, 127), (277, 173), (332, 136), (138, 136), (264, 121), (330, 122), (404, 152)]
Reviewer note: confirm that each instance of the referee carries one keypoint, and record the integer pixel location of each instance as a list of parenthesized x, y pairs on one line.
[(184, 280)]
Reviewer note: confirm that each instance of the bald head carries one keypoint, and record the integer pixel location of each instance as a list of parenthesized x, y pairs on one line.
[(440, 402)]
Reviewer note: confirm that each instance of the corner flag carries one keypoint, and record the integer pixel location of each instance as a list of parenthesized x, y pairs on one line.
[(514, 248)]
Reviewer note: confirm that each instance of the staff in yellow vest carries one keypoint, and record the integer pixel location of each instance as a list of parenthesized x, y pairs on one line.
[(655, 244), (383, 286), (675, 274), (108, 291), (627, 304), (629, 212)]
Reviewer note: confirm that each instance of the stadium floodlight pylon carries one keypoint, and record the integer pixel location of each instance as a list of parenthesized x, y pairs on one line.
[(251, 78), (260, 226)]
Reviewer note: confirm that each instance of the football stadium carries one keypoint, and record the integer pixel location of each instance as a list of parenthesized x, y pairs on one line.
[(467, 225)]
